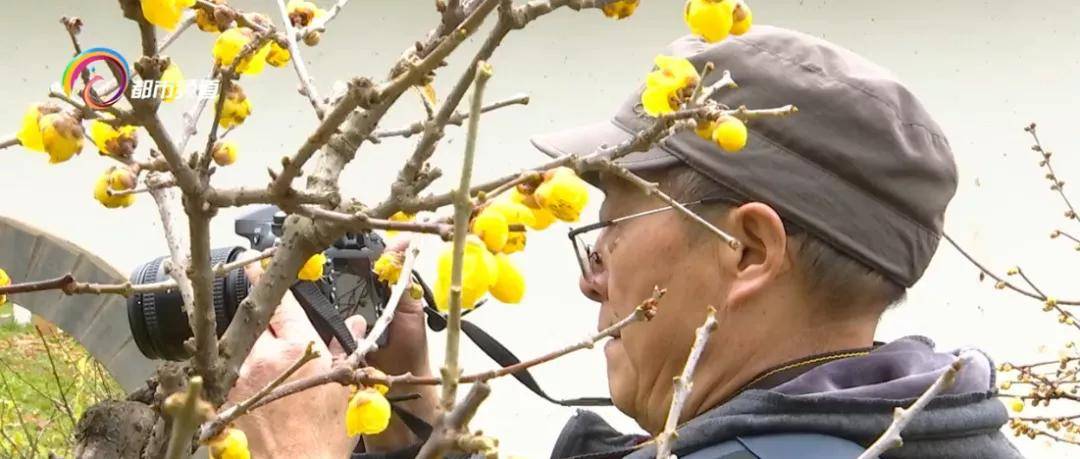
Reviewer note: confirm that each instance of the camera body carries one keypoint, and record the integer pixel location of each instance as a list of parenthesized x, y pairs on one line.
[(160, 325)]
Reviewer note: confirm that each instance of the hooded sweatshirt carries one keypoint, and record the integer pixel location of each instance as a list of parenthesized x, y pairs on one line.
[(853, 398)]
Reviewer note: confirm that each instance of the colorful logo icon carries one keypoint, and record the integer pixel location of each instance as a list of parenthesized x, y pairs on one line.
[(116, 63)]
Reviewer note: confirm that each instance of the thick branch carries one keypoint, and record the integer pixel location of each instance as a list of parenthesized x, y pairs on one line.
[(453, 424)]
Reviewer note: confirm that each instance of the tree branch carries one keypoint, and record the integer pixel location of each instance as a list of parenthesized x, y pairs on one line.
[(306, 82), (453, 424), (902, 417), (684, 383), (456, 119)]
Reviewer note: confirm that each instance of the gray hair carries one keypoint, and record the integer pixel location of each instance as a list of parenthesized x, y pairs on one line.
[(840, 283)]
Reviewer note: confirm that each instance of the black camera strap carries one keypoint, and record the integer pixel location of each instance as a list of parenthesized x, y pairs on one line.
[(499, 353), (324, 316)]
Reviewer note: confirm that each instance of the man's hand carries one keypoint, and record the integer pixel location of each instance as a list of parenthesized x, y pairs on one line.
[(312, 424)]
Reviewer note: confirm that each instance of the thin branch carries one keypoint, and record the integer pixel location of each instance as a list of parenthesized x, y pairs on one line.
[(191, 117), (456, 119), (708, 92), (463, 208), (64, 404), (1029, 282), (370, 341), (1058, 185), (10, 142), (18, 413), (317, 25), (214, 427), (902, 417), (307, 83), (361, 222), (684, 383), (189, 19), (1001, 281)]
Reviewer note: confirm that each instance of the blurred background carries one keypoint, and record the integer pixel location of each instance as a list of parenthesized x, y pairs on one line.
[(984, 69)]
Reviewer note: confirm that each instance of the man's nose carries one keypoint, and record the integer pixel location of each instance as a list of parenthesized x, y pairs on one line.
[(594, 286)]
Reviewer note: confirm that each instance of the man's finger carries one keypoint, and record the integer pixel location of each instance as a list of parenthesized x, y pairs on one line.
[(358, 327), (290, 323)]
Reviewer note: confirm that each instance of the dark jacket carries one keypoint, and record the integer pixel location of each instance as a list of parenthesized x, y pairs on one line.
[(851, 398)]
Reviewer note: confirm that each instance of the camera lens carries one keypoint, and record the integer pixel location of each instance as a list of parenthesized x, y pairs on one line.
[(158, 321)]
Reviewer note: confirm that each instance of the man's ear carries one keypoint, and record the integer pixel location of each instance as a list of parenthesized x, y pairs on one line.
[(763, 255)]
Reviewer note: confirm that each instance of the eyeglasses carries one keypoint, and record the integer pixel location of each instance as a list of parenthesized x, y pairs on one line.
[(584, 242)]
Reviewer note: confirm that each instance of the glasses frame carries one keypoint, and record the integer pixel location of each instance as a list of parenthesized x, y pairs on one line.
[(584, 252)]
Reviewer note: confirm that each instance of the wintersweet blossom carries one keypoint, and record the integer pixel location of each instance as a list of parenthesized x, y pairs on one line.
[(111, 141), (313, 268), (667, 86), (165, 13), (230, 444), (368, 412), (562, 193)]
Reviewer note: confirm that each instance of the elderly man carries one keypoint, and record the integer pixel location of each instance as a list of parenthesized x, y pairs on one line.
[(838, 210)]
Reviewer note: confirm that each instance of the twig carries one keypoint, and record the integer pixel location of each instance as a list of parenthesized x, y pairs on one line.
[(317, 25), (1058, 186), (652, 189), (370, 341), (11, 142), (18, 413), (361, 222), (1020, 272), (185, 420), (463, 208), (456, 119), (901, 416), (214, 427), (185, 23), (684, 383), (306, 82), (56, 377), (191, 117), (706, 93)]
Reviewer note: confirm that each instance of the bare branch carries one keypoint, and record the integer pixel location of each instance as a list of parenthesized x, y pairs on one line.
[(902, 417), (319, 24), (1001, 282), (361, 222), (10, 142), (214, 427), (684, 383), (185, 23), (64, 404), (456, 119), (1056, 183), (370, 341), (453, 424), (306, 81)]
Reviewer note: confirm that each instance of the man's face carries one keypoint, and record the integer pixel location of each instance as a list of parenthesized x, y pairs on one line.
[(634, 256)]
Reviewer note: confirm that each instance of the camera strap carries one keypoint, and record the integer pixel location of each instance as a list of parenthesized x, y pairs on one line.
[(324, 316), (499, 353)]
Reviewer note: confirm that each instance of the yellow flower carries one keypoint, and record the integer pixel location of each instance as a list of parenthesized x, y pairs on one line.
[(30, 132), (229, 45), (710, 19), (399, 217), (5, 280), (165, 13), (301, 13), (743, 18), (515, 242), (388, 267), (539, 218), (278, 56), (620, 9), (111, 141), (515, 213), (62, 136), (101, 193), (230, 444), (511, 284), (666, 87), (562, 193), (172, 79), (1017, 405), (205, 19), (491, 226), (368, 413), (478, 272), (730, 133), (236, 108), (313, 268), (225, 152), (121, 179)]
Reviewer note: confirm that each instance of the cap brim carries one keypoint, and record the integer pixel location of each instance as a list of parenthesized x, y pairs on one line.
[(585, 140)]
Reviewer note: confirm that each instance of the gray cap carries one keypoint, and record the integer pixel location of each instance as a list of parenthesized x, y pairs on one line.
[(862, 166)]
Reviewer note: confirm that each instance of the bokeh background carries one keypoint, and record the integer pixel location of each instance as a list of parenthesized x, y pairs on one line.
[(984, 69)]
